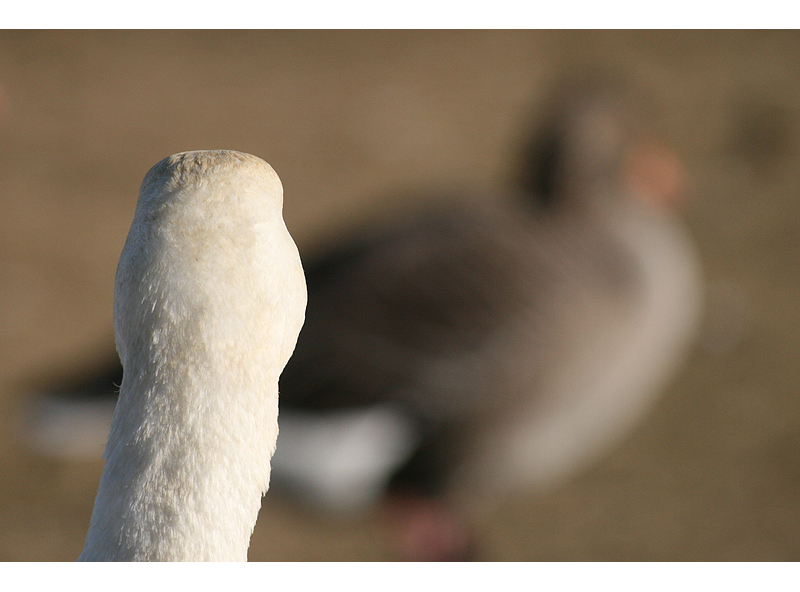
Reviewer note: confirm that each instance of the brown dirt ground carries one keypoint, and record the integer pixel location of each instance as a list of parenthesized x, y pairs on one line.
[(346, 119)]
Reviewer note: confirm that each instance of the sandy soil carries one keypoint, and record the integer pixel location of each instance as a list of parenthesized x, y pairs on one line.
[(349, 118)]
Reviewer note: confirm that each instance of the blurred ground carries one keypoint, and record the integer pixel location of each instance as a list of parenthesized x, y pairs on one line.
[(348, 118)]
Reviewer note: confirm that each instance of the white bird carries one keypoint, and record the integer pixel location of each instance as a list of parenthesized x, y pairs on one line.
[(209, 299)]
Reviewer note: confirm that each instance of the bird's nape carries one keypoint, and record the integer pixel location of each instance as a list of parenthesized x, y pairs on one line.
[(209, 299)]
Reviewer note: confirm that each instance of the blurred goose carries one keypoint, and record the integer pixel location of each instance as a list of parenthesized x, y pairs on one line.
[(489, 345), (208, 301), (496, 345)]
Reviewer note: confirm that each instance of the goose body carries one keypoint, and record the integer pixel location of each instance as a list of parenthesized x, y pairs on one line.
[(209, 299), (508, 351), (514, 339)]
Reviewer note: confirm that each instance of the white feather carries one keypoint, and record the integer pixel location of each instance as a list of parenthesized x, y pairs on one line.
[(209, 299)]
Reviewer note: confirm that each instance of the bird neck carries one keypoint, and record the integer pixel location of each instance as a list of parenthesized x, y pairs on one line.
[(185, 470), (209, 298)]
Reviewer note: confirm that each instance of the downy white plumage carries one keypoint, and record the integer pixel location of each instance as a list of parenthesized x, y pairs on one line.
[(209, 299)]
